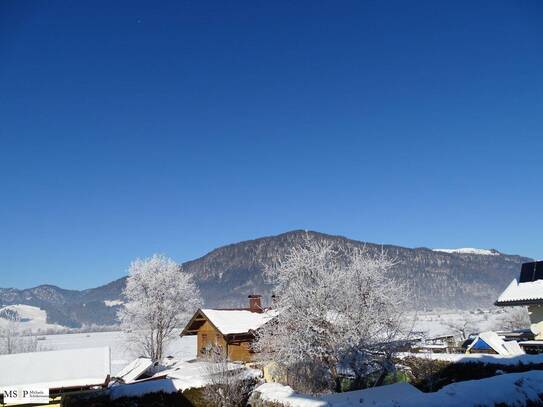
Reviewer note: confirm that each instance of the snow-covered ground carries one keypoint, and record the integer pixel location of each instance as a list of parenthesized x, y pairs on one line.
[(433, 323), (515, 389), (181, 348), (31, 318), (478, 358), (445, 322)]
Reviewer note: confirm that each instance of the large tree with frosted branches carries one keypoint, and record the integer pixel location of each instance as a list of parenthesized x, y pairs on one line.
[(338, 309), (160, 297)]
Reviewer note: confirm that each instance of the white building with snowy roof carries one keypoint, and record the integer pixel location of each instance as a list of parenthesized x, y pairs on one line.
[(59, 371), (527, 291)]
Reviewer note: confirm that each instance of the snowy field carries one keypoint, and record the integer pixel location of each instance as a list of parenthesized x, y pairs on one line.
[(433, 323), (445, 322), (30, 318), (181, 348)]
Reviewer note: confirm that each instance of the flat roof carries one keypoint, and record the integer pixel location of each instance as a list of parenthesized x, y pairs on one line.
[(59, 369)]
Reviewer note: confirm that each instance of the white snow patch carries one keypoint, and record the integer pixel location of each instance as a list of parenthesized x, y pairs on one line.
[(469, 250), (56, 369), (31, 318), (479, 358), (181, 348), (511, 389), (112, 303), (393, 395), (278, 393)]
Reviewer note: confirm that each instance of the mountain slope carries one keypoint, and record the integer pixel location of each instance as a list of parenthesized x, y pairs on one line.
[(448, 279), (436, 279)]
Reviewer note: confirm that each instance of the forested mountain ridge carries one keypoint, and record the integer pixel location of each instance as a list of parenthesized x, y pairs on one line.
[(226, 275)]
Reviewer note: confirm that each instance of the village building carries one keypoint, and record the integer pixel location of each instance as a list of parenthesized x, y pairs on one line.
[(60, 372), (494, 344), (233, 330), (527, 291)]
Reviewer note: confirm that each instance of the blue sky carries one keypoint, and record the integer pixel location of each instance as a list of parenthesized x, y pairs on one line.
[(128, 128)]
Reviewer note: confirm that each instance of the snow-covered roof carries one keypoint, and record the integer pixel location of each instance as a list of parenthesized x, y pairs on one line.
[(134, 369), (492, 339), (237, 321), (180, 376), (469, 250), (229, 321), (521, 293), (56, 369)]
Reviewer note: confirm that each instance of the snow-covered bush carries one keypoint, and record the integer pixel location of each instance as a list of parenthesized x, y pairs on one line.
[(339, 311), (227, 387), (160, 297)]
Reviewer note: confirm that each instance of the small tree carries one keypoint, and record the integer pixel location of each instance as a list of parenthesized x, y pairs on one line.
[(159, 299), (338, 308), (14, 340), (463, 327), (228, 384), (514, 318)]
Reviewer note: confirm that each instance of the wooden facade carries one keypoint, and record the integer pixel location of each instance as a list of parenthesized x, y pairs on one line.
[(237, 346)]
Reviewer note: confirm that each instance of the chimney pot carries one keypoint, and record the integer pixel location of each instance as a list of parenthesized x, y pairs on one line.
[(255, 304)]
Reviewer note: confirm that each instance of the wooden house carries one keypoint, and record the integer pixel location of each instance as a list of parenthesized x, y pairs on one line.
[(232, 329)]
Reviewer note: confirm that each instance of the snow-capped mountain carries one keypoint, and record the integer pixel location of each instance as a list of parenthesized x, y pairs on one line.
[(444, 278), (470, 250)]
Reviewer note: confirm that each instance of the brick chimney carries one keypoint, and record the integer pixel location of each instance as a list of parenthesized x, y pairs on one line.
[(255, 304)]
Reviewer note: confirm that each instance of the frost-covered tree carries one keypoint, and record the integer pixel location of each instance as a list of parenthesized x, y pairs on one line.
[(464, 327), (15, 340), (514, 318), (159, 299), (337, 309)]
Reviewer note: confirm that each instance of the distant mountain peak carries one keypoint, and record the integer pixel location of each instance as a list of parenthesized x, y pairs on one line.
[(470, 250)]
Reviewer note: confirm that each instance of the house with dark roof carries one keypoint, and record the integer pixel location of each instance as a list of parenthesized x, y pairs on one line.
[(527, 291), (234, 330)]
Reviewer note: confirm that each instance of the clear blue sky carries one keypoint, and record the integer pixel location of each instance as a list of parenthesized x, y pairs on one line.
[(129, 128)]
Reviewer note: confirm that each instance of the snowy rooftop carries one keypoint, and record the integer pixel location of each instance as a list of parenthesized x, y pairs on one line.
[(179, 376), (521, 293), (135, 369), (237, 321), (494, 341), (56, 369)]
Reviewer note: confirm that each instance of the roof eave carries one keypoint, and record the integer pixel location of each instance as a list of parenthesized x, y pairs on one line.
[(512, 303)]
